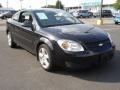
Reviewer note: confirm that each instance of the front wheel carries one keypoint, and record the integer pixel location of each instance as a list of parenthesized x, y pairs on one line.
[(45, 57), (4, 17), (81, 16), (116, 23), (10, 41)]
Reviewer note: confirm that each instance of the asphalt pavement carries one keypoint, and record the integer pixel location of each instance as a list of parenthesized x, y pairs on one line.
[(93, 21), (19, 70)]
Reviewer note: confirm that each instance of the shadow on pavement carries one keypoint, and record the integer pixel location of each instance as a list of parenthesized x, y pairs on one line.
[(107, 73)]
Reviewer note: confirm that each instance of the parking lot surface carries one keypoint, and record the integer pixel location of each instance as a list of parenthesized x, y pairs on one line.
[(19, 70)]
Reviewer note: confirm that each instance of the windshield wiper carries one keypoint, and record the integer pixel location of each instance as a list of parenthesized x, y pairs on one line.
[(50, 25), (70, 23)]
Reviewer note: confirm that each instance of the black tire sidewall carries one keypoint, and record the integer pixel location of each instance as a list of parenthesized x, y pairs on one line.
[(13, 45), (116, 23)]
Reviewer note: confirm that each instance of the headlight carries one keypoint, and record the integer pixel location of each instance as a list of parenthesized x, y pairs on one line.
[(109, 37), (69, 45)]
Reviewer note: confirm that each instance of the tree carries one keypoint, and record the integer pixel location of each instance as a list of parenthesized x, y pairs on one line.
[(59, 5), (117, 5), (49, 6), (0, 5)]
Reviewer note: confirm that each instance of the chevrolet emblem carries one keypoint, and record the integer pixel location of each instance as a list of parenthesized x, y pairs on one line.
[(100, 44)]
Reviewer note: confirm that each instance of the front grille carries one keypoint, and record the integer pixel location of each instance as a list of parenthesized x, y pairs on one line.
[(96, 46)]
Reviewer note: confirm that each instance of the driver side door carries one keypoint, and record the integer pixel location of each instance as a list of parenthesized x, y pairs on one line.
[(26, 34)]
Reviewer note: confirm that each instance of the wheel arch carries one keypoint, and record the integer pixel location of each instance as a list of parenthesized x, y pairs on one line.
[(44, 40)]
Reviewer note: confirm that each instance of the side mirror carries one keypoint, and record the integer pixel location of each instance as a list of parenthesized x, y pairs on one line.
[(27, 23)]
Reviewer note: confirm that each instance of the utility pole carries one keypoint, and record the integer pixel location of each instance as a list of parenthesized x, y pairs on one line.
[(46, 4), (21, 3), (101, 10), (7, 4), (100, 21)]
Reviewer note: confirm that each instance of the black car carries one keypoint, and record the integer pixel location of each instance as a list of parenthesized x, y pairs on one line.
[(105, 13), (7, 14), (59, 39)]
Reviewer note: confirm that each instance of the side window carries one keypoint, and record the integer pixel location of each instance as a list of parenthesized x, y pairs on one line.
[(25, 16), (16, 16)]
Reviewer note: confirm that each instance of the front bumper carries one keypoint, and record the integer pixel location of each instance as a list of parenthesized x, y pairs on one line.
[(82, 59)]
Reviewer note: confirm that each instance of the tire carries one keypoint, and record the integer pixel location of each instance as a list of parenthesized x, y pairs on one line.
[(4, 17), (94, 16), (88, 16), (45, 58), (11, 43), (116, 23), (81, 16)]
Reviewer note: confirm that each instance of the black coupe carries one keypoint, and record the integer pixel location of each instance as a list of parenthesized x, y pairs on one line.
[(59, 39)]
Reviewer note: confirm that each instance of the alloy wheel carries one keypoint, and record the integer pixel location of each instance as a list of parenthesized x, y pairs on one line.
[(9, 39), (44, 58)]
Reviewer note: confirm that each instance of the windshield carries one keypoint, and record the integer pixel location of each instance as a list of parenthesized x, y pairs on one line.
[(84, 11), (55, 18)]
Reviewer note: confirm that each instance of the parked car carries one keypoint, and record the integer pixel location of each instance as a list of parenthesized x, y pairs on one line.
[(59, 39), (117, 19), (7, 14), (115, 14), (83, 14), (76, 14), (105, 13)]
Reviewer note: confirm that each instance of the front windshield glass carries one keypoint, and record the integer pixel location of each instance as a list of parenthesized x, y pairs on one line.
[(55, 18), (84, 11)]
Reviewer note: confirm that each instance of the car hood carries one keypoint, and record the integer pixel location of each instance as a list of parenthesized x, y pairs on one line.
[(78, 32), (118, 16)]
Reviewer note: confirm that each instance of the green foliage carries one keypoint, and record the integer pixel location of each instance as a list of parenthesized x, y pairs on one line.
[(117, 5), (0, 5), (59, 5), (49, 6)]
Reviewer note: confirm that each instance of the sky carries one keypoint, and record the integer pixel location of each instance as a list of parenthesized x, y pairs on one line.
[(39, 3)]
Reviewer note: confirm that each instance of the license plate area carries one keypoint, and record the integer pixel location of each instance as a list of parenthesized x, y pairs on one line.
[(104, 56)]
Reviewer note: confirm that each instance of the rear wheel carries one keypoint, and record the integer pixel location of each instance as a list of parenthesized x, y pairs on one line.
[(45, 57), (11, 43)]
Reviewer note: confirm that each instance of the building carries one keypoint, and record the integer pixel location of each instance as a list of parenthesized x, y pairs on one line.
[(71, 9), (94, 5)]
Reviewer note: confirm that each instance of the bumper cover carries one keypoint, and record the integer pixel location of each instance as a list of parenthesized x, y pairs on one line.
[(82, 58)]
